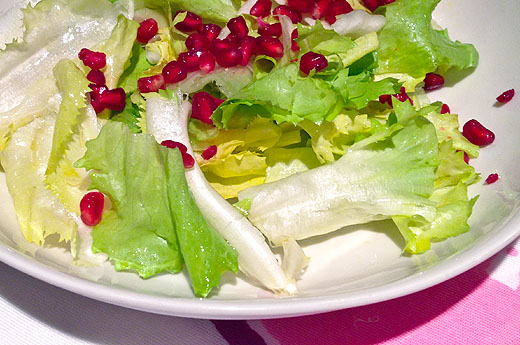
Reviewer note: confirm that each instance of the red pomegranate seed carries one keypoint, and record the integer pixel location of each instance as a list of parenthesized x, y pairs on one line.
[(372, 5), (303, 6), (238, 26), (228, 57), (198, 42), (209, 152), (319, 9), (506, 96), (174, 72), (477, 134), (466, 158), (247, 49), (94, 60), (271, 30), (97, 77), (384, 2), (191, 23), (433, 81), (207, 62), (336, 8), (188, 161), (294, 34), (219, 45), (270, 46), (102, 98), (294, 15), (150, 84), (492, 178), (312, 60), (261, 9), (402, 96), (147, 30), (445, 109), (191, 59), (211, 31), (174, 144), (203, 106), (294, 46), (91, 208)]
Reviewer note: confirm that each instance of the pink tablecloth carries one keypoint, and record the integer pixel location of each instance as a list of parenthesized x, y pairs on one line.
[(481, 306)]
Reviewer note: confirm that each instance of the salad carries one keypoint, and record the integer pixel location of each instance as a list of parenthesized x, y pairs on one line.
[(171, 134)]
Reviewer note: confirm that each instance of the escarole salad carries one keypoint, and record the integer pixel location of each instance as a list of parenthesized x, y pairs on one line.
[(165, 135)]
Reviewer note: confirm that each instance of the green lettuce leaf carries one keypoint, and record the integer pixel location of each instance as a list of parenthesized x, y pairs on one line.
[(154, 224), (136, 69), (421, 50), (219, 11)]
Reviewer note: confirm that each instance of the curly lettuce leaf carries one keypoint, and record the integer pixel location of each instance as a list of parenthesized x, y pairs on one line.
[(154, 225), (219, 11), (420, 50)]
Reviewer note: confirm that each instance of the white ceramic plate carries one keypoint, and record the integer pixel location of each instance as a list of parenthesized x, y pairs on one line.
[(356, 266)]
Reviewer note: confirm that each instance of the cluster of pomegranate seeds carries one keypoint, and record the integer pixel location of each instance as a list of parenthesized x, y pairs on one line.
[(94, 60), (372, 5), (445, 109), (402, 96), (262, 8), (187, 159), (433, 81), (191, 23), (147, 30), (209, 152), (492, 178), (102, 98), (203, 106), (506, 96), (96, 77), (91, 207), (151, 84), (477, 134), (312, 61)]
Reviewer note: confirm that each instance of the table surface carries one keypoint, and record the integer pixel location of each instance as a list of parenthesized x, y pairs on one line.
[(481, 306)]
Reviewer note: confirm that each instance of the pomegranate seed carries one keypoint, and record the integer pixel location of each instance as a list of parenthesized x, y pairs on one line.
[(147, 30), (294, 15), (270, 46), (174, 144), (238, 26), (319, 9), (188, 161), (492, 178), (207, 62), (191, 23), (203, 106), (197, 41), (211, 31), (209, 152), (271, 30), (174, 72), (91, 207), (384, 2), (303, 6), (312, 60), (477, 134), (402, 96), (433, 81), (372, 5), (150, 84), (97, 77), (102, 98), (247, 49), (506, 96), (466, 158), (191, 60), (94, 60), (294, 34), (445, 109), (219, 45), (261, 9), (336, 8), (228, 57), (294, 46)]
